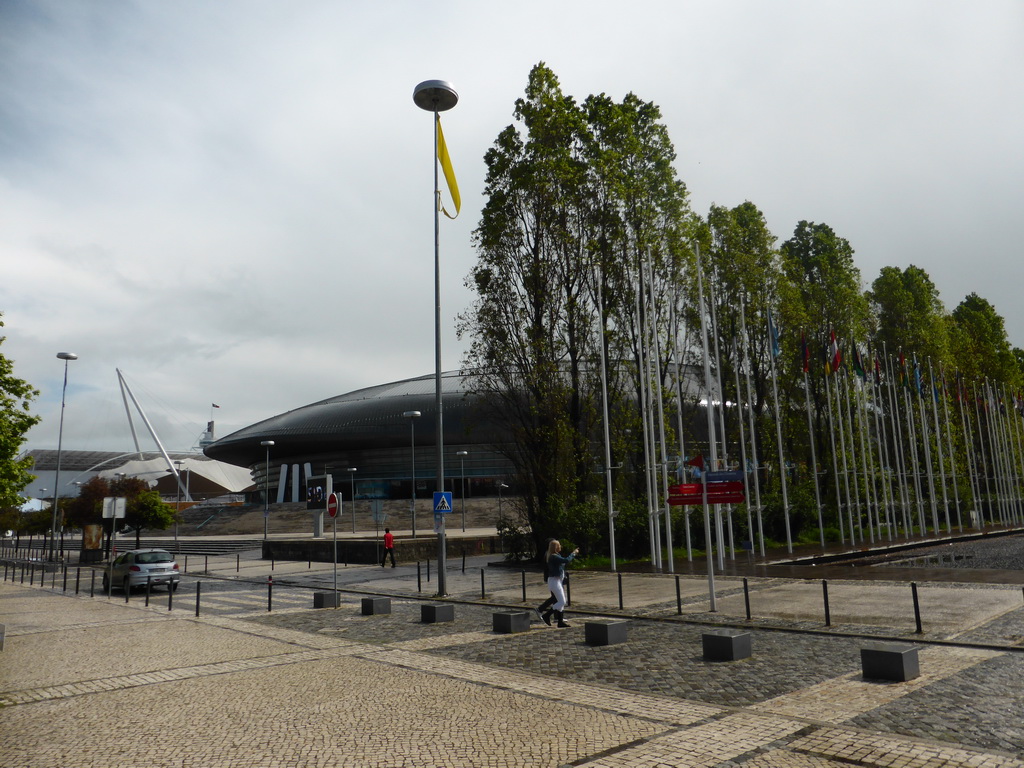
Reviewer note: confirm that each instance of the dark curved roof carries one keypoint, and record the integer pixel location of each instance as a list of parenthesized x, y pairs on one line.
[(368, 418)]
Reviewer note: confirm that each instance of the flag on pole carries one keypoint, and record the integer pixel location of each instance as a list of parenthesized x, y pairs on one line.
[(858, 365), (696, 461), (449, 173), (773, 336), (214, 405), (834, 357)]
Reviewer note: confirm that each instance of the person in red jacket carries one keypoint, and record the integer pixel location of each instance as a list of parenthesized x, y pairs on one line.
[(389, 547)]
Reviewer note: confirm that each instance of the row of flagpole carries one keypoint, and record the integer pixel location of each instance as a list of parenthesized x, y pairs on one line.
[(888, 457)]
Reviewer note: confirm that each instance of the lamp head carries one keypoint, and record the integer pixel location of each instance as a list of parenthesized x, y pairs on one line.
[(67, 356), (411, 414), (435, 95), (267, 443)]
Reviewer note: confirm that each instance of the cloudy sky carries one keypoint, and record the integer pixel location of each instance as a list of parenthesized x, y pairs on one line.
[(231, 202)]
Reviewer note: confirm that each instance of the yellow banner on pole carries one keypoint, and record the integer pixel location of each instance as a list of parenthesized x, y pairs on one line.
[(449, 174)]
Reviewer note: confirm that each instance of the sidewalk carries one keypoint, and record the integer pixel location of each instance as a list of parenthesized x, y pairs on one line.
[(97, 682)]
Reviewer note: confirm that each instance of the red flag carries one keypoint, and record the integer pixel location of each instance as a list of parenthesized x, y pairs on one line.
[(696, 461)]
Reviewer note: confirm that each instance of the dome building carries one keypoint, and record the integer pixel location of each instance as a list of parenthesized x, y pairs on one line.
[(365, 441)]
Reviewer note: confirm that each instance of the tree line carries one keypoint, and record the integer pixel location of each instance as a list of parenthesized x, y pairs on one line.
[(604, 302)]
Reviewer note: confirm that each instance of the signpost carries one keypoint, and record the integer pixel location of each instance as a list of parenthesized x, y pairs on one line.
[(718, 493), (333, 507)]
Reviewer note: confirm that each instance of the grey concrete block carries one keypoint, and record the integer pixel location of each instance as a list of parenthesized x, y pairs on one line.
[(605, 631), (511, 621), (431, 614), (326, 599), (376, 605), (889, 661), (726, 645)]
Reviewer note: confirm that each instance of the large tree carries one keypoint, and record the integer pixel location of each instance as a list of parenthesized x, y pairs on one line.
[(16, 396), (583, 211)]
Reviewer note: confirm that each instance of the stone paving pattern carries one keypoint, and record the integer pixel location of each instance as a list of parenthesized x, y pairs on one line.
[(92, 681)]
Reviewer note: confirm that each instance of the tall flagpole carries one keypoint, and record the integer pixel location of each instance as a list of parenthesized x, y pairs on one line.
[(751, 400), (938, 445), (912, 439), (604, 413), (711, 434), (844, 381), (897, 442), (972, 468), (835, 459), (679, 419), (712, 302), (952, 453), (810, 438), (778, 434), (661, 421)]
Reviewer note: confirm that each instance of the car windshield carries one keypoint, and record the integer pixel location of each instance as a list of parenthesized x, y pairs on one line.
[(154, 557)]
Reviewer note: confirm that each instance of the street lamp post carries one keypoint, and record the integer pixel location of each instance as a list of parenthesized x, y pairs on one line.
[(412, 416), (437, 96), (66, 357), (462, 460), (268, 444), (352, 477), (177, 500)]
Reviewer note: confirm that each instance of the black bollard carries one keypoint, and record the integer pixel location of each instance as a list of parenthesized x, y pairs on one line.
[(238, 563), (568, 591), (917, 607), (65, 578), (679, 597), (824, 594), (483, 591), (92, 584), (78, 578), (463, 560), (428, 570), (270, 593), (746, 596), (199, 589), (523, 578), (170, 597), (620, 590), (419, 578)]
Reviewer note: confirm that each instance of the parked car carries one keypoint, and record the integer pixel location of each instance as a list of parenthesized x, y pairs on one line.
[(139, 566)]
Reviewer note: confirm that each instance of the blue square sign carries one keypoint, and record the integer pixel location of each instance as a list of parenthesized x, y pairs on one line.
[(442, 502)]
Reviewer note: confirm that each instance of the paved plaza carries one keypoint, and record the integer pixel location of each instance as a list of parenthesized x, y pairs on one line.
[(91, 680)]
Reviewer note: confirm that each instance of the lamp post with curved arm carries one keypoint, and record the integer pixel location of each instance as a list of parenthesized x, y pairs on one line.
[(66, 357)]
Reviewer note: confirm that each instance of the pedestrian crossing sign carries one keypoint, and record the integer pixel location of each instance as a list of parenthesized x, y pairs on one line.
[(442, 502)]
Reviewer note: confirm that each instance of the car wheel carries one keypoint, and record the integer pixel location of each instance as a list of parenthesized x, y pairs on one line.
[(126, 585), (106, 583), (173, 586)]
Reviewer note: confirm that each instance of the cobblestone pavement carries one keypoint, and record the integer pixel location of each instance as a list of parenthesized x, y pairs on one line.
[(93, 681)]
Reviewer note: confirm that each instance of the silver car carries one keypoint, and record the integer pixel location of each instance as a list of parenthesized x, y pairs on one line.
[(139, 566)]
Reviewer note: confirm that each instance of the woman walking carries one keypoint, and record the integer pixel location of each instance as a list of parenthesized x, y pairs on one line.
[(554, 566)]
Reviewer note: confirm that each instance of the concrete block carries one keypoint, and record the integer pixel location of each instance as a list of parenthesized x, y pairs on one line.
[(432, 614), (889, 661), (605, 631), (726, 645), (511, 621), (376, 605), (326, 599)]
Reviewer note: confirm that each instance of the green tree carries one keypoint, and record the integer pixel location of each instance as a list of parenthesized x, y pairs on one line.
[(16, 397), (981, 348), (583, 209), (909, 314)]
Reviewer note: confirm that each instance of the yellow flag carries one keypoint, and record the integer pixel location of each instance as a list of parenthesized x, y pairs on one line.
[(449, 174)]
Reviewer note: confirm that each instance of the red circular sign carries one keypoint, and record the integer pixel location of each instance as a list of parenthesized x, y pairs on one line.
[(332, 505)]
